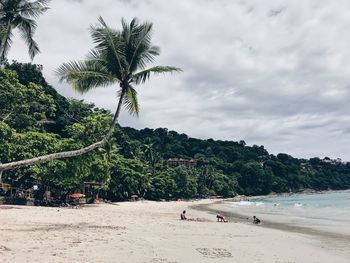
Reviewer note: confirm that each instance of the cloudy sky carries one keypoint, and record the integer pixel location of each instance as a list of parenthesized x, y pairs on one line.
[(273, 73)]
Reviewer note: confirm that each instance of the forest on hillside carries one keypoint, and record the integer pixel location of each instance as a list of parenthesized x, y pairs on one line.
[(137, 161)]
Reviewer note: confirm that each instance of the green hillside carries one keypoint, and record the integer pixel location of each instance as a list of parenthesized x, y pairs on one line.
[(36, 120)]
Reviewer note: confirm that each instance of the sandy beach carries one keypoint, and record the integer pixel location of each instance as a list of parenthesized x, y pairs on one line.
[(150, 232)]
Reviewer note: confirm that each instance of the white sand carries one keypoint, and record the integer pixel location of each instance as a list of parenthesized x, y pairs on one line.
[(148, 232)]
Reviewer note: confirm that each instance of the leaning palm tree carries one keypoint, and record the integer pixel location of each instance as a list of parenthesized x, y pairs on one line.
[(20, 14), (119, 58)]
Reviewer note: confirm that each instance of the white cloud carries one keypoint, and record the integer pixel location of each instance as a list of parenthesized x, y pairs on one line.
[(270, 72)]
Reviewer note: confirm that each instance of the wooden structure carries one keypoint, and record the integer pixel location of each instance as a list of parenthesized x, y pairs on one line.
[(5, 187), (14, 195), (16, 192), (180, 161)]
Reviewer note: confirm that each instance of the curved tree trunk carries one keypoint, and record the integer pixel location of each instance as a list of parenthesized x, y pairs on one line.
[(67, 154)]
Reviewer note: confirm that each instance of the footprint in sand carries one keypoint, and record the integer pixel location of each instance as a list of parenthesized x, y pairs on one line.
[(214, 252), (4, 249), (161, 260)]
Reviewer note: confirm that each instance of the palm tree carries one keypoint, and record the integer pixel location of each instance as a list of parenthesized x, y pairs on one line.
[(150, 154), (119, 57), (20, 14)]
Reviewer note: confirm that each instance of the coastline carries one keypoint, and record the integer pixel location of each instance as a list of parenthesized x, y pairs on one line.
[(149, 232), (214, 207)]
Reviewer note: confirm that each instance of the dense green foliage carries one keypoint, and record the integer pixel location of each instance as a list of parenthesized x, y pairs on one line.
[(35, 120)]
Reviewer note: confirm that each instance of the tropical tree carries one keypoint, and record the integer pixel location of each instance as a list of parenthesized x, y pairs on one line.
[(151, 156), (18, 109), (21, 15), (120, 57)]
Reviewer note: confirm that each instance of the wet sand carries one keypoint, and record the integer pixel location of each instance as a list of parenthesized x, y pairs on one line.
[(336, 240)]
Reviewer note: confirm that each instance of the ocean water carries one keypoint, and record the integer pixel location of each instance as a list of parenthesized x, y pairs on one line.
[(327, 211)]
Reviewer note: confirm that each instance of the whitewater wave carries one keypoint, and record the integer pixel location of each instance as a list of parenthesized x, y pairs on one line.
[(248, 203)]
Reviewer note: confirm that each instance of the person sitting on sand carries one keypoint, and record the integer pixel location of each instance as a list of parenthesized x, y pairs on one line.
[(256, 220), (220, 218), (183, 215)]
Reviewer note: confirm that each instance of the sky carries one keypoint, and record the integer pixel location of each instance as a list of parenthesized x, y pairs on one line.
[(273, 73)]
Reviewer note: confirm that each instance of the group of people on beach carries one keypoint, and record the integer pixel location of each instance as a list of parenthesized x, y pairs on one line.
[(220, 218)]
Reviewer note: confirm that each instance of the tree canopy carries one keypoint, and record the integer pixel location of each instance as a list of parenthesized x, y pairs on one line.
[(136, 161)]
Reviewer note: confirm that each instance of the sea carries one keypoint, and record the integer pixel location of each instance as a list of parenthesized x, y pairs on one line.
[(326, 211)]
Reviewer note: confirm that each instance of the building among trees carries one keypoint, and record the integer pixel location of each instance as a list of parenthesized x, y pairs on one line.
[(179, 161)]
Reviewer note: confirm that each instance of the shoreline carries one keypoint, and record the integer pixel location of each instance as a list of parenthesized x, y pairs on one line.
[(271, 195), (242, 218)]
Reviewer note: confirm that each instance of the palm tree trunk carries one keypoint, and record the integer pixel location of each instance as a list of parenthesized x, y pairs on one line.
[(67, 154)]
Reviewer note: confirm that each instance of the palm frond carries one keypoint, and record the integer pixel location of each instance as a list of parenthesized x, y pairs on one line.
[(34, 9), (130, 101), (137, 44), (85, 75), (146, 55), (20, 14), (95, 54), (154, 50), (144, 75), (108, 42), (126, 29), (27, 28)]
